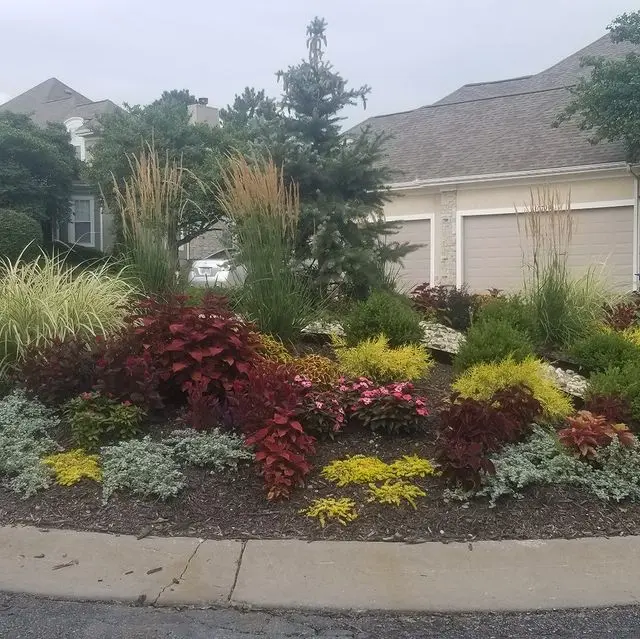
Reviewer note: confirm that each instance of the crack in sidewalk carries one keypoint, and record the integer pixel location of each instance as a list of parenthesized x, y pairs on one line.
[(235, 579), (175, 580)]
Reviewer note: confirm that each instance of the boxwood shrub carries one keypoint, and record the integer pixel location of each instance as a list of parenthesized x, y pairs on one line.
[(20, 232)]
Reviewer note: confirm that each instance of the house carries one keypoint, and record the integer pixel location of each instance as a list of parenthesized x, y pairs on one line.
[(54, 101), (470, 159)]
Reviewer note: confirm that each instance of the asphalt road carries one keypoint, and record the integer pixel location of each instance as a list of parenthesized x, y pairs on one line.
[(25, 617)]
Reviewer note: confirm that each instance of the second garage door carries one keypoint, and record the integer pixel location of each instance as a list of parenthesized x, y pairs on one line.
[(492, 248)]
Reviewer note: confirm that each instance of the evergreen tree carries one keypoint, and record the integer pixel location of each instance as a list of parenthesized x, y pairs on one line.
[(342, 178)]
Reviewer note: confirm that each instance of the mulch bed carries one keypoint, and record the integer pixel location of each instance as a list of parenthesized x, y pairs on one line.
[(233, 505)]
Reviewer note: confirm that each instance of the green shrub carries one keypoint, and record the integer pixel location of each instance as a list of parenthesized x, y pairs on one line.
[(384, 314), (97, 420), (492, 341), (512, 310), (618, 381), (20, 236), (374, 360), (601, 350), (142, 467), (25, 436)]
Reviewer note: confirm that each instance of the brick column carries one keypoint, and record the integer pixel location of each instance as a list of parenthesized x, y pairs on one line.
[(446, 255)]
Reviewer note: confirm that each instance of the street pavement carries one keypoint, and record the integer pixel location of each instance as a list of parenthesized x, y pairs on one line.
[(29, 617)]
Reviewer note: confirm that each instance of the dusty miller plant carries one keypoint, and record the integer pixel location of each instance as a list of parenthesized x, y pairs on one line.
[(212, 449)]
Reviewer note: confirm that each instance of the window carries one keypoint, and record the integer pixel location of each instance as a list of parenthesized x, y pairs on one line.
[(81, 227)]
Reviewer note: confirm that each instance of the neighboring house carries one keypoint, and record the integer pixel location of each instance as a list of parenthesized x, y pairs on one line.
[(468, 160), (54, 101)]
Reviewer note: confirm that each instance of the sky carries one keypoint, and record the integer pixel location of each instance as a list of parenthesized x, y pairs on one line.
[(411, 52)]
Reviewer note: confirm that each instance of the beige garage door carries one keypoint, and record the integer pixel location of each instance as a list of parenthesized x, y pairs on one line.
[(492, 248), (417, 264)]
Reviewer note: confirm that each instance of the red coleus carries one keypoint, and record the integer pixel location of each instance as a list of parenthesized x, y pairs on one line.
[(586, 433), (194, 343)]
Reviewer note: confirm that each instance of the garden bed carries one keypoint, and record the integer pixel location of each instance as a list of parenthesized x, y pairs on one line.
[(232, 505)]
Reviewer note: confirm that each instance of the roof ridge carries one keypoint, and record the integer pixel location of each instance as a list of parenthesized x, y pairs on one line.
[(479, 84)]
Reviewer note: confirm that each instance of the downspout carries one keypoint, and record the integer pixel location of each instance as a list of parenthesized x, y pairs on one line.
[(636, 227)]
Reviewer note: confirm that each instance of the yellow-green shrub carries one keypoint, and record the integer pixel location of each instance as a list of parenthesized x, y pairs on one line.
[(483, 380), (322, 371), (633, 335), (342, 510), (273, 349), (72, 466), (394, 492), (375, 360)]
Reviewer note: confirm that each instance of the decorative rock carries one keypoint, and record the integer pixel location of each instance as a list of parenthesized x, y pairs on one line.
[(324, 328), (442, 337), (569, 381)]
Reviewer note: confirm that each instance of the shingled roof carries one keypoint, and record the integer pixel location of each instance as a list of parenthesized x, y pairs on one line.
[(496, 127), (54, 101)]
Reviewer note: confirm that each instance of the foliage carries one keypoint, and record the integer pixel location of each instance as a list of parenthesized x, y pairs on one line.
[(357, 470), (600, 350), (541, 460), (343, 184), (25, 436), (128, 372), (513, 310), (586, 433), (387, 314), (448, 305), (43, 300), (199, 147), (213, 449), (273, 349), (412, 466), (329, 508), (190, 343), (624, 314), (142, 467), (37, 168), (321, 371), (613, 408), (492, 341), (622, 382), (321, 413), (470, 429), (150, 204), (202, 408), (483, 380), (74, 465), (395, 492), (605, 100), (394, 409), (264, 212), (21, 236), (96, 420), (58, 371), (563, 308), (374, 360), (265, 405), (633, 335)]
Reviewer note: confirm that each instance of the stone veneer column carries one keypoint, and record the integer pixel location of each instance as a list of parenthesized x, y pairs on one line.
[(446, 238)]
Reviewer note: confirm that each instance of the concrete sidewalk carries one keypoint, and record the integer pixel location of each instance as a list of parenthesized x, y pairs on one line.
[(508, 575)]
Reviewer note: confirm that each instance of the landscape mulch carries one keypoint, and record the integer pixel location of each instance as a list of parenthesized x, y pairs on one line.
[(233, 505)]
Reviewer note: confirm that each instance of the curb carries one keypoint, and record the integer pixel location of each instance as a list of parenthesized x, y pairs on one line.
[(295, 574)]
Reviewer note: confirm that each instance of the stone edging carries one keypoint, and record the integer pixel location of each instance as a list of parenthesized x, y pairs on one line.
[(296, 574)]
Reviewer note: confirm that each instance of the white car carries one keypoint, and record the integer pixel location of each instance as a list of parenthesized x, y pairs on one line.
[(218, 269)]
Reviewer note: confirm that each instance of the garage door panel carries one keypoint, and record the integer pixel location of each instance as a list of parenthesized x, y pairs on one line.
[(417, 265), (493, 248)]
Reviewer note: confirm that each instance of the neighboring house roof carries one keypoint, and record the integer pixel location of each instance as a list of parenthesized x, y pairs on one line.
[(54, 101), (496, 127)]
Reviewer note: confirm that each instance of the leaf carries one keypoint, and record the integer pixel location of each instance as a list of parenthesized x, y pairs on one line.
[(178, 366)]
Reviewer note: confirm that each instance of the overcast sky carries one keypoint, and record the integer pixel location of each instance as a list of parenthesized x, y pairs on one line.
[(411, 52)]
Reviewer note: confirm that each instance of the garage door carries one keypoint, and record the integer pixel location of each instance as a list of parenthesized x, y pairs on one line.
[(602, 239), (417, 264)]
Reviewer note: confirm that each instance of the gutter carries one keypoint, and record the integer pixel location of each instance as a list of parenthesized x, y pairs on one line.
[(512, 175)]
